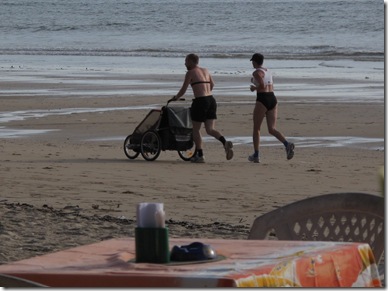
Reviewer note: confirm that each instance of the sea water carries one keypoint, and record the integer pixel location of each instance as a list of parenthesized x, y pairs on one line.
[(280, 29), (301, 39)]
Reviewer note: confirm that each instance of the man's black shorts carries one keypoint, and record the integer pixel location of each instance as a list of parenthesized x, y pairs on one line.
[(203, 108)]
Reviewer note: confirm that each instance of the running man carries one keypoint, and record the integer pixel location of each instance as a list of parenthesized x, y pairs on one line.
[(203, 108)]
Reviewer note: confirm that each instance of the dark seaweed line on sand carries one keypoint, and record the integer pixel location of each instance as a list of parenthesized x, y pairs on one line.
[(28, 231)]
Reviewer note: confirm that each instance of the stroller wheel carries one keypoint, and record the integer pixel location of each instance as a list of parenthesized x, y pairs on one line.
[(150, 145), (129, 148), (187, 154)]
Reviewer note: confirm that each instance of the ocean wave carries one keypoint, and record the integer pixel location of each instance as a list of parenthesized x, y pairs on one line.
[(54, 28), (306, 54)]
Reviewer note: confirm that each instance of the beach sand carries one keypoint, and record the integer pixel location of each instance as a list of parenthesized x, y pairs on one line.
[(74, 185)]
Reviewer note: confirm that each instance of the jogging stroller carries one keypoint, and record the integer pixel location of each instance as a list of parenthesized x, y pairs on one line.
[(168, 128)]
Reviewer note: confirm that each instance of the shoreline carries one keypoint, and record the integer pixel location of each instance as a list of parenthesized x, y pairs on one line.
[(95, 77)]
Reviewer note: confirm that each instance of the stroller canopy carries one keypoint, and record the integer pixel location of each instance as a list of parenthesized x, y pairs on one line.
[(178, 117)]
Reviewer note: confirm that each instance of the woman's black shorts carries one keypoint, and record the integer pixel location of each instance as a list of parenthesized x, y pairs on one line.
[(268, 99)]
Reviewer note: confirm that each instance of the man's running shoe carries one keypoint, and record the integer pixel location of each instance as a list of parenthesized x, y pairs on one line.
[(228, 150), (197, 159), (290, 150), (254, 159)]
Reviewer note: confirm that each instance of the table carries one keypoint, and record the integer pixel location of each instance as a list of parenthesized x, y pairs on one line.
[(242, 263)]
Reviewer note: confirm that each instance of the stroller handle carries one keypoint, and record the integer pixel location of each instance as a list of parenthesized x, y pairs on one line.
[(172, 99)]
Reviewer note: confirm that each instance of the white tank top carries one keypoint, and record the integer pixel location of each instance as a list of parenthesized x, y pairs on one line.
[(267, 77)]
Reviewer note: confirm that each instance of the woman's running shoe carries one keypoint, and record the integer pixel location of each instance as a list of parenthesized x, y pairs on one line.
[(290, 150)]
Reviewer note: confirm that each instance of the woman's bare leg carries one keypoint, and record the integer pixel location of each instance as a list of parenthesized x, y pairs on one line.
[(258, 116), (271, 123), (272, 116)]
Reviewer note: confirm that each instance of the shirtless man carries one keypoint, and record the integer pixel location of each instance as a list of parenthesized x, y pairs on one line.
[(204, 106), (266, 106)]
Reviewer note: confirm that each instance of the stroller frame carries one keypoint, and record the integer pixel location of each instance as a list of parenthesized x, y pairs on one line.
[(168, 128)]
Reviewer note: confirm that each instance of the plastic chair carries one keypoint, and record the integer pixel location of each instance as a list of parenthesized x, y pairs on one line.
[(356, 217), (8, 281)]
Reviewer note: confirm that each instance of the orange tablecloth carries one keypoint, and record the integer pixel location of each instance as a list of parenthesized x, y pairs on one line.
[(262, 263)]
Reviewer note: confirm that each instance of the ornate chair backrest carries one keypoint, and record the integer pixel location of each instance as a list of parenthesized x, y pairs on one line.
[(356, 217)]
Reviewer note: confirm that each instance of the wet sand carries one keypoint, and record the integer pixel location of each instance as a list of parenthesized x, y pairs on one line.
[(65, 180)]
